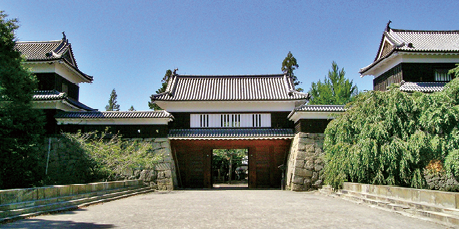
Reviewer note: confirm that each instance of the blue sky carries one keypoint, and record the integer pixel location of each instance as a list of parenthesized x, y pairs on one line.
[(129, 45)]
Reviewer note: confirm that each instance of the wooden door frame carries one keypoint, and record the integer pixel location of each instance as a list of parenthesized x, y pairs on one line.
[(207, 146)]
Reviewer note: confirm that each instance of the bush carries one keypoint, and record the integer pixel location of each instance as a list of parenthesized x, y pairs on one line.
[(89, 157), (452, 163), (390, 137)]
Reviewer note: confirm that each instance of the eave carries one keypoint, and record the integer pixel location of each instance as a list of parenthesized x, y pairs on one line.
[(84, 77)]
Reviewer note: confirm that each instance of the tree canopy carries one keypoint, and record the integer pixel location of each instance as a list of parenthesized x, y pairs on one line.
[(21, 127), (334, 90), (289, 65), (164, 81), (390, 137), (112, 103)]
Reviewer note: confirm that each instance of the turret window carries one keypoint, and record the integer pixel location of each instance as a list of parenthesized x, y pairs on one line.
[(230, 120), (442, 75)]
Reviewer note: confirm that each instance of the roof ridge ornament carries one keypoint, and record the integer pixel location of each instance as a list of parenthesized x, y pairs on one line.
[(388, 26)]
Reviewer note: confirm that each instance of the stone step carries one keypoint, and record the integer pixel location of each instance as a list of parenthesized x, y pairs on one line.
[(25, 204), (69, 205), (406, 203), (446, 216)]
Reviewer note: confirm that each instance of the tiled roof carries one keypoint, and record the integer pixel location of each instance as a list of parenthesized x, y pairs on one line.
[(230, 88), (50, 95), (231, 134), (114, 114), (49, 51), (422, 86), (321, 108), (42, 50), (424, 41)]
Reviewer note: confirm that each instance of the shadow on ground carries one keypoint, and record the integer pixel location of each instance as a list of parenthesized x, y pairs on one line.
[(48, 224)]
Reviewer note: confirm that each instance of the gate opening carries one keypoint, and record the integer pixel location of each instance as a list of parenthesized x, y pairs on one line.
[(230, 168)]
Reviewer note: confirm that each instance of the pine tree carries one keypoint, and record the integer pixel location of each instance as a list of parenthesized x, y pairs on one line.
[(21, 127), (335, 90), (112, 103), (131, 108), (288, 66), (164, 81)]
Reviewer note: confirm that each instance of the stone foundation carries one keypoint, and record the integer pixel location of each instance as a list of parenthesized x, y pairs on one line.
[(305, 162), (66, 162), (441, 181)]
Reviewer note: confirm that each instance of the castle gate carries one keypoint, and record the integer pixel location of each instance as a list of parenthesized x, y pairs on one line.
[(194, 161)]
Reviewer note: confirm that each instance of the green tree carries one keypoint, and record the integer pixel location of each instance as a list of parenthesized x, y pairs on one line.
[(335, 90), (288, 66), (164, 81), (21, 127), (390, 137), (454, 71), (131, 108), (112, 103)]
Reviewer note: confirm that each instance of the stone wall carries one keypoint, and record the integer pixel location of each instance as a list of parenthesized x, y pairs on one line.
[(69, 165), (441, 181), (305, 162), (163, 177)]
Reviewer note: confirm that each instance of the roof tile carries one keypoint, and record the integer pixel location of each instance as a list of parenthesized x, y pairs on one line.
[(321, 108), (113, 114), (231, 133), (422, 86), (229, 88)]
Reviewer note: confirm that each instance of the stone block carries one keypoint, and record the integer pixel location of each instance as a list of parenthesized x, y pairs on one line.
[(298, 180), (298, 187), (309, 165), (318, 167), (161, 151), (167, 174), (310, 148), (307, 141), (143, 174), (119, 184), (64, 190), (165, 145), (40, 193), (301, 146), (110, 185), (161, 140), (312, 135), (299, 163), (301, 155), (8, 196), (155, 145), (303, 172), (317, 184), (315, 176), (26, 194), (51, 192), (318, 151), (303, 135)]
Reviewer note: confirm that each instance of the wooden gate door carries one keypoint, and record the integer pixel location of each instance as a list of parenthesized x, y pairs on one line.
[(194, 166)]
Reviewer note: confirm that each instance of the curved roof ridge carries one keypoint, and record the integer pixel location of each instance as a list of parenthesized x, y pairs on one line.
[(230, 76), (229, 88), (425, 31)]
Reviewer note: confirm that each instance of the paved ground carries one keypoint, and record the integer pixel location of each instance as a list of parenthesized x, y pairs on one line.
[(226, 209)]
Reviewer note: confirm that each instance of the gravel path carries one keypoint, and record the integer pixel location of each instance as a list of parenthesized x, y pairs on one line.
[(226, 209)]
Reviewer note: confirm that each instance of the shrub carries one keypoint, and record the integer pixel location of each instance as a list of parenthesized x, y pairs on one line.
[(390, 137)]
